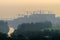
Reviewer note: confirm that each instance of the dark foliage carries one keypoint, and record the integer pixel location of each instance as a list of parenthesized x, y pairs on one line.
[(42, 35), (34, 26), (3, 36), (46, 34)]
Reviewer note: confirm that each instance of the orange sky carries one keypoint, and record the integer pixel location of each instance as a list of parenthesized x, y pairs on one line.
[(10, 8)]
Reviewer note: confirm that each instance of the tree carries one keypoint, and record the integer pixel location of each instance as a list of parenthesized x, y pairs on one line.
[(3, 36), (4, 27), (34, 26)]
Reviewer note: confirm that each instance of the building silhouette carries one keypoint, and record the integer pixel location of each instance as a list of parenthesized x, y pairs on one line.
[(34, 18)]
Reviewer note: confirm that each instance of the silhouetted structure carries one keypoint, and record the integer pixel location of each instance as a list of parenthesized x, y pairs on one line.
[(34, 18)]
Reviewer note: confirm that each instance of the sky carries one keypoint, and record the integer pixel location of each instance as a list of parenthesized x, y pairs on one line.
[(9, 9)]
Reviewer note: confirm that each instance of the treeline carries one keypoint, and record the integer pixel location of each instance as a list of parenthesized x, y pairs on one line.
[(34, 26), (32, 31), (42, 35)]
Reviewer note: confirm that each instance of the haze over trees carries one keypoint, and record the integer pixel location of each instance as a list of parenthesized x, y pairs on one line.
[(34, 26), (31, 31), (4, 28)]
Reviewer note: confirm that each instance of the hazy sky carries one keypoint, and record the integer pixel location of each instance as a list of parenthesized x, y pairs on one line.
[(10, 8)]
